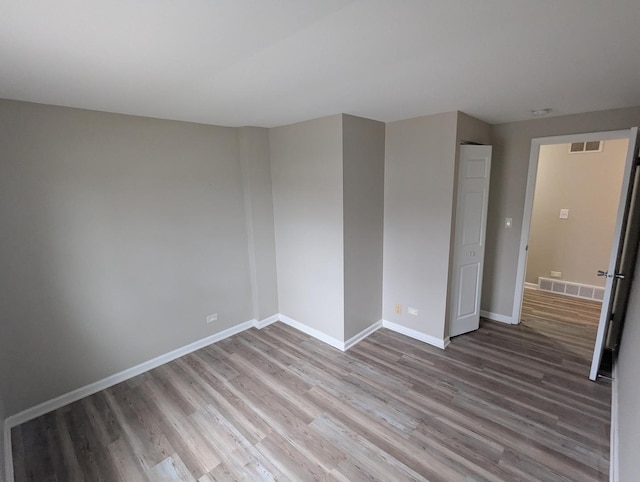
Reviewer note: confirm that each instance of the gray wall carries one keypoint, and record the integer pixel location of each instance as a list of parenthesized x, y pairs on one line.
[(588, 184), (363, 194), (512, 144), (306, 170), (120, 235), (256, 174), (629, 388), (420, 164), (469, 129)]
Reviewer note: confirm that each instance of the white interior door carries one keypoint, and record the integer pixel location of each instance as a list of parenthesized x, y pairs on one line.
[(470, 230), (623, 253)]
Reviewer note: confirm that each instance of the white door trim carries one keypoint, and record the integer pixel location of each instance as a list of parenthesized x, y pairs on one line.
[(528, 201)]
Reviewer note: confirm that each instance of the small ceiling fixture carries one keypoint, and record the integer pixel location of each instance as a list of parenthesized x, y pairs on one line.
[(540, 112)]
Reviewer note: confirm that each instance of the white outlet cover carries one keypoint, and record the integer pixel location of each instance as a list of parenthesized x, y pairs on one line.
[(508, 222), (413, 311), (212, 318), (564, 214)]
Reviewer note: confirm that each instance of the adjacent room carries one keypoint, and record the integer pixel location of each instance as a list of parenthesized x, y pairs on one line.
[(577, 192), (274, 240)]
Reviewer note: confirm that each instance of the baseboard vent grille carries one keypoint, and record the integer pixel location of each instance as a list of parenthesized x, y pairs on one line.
[(577, 290)]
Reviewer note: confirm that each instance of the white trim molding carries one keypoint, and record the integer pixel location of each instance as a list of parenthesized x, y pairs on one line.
[(317, 334), (80, 393), (497, 317), (267, 321), (614, 448), (534, 154), (362, 335), (8, 455), (416, 335), (90, 389)]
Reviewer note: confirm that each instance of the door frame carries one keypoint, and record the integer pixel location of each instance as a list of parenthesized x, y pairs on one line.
[(528, 202)]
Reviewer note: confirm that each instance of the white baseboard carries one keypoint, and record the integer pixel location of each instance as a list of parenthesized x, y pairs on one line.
[(79, 393), (362, 335), (344, 346), (614, 475), (531, 286), (82, 392), (417, 335), (267, 321), (90, 389), (317, 334), (497, 317), (8, 455), (323, 337)]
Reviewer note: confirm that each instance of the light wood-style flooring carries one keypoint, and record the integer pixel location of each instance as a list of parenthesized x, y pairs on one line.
[(560, 308), (502, 403)]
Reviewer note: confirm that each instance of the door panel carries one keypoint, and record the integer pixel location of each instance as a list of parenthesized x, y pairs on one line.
[(622, 260), (468, 250), (472, 227), (477, 169), (627, 264), (468, 299)]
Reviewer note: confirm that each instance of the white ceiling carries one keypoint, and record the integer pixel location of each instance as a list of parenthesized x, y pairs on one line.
[(275, 62)]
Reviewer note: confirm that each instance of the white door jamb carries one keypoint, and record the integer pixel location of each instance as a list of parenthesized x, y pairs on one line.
[(528, 202)]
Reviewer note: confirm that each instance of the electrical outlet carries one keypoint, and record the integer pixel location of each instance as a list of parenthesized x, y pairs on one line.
[(413, 311), (212, 318), (556, 274), (398, 309)]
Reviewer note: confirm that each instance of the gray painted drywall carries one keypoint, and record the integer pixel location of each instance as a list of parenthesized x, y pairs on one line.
[(256, 175), (473, 130), (120, 234), (306, 171), (468, 130), (512, 145), (363, 194), (629, 388), (420, 158), (588, 184)]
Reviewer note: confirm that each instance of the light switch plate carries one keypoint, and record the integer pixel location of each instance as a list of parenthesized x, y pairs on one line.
[(508, 222)]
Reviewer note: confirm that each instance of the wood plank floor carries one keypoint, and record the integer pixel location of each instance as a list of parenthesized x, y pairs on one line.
[(502, 403), (560, 308)]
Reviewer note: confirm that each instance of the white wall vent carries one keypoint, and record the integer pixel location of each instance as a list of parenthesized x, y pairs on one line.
[(589, 146), (567, 288)]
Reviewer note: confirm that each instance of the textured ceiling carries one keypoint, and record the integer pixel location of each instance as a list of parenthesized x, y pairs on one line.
[(274, 62)]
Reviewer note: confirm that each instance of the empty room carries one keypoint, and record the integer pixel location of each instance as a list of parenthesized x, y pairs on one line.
[(278, 240)]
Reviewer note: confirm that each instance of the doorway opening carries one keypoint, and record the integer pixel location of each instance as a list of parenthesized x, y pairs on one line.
[(570, 221), (575, 203)]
